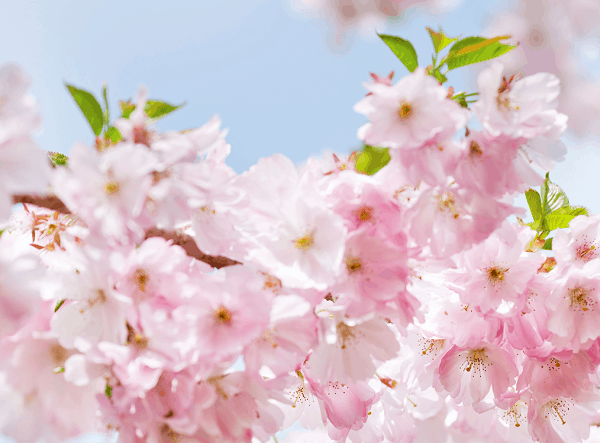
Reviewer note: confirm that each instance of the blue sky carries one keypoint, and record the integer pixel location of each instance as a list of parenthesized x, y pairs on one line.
[(263, 69)]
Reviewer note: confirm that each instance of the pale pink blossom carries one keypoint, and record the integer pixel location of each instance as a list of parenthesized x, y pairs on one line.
[(107, 189), (519, 108), (467, 374), (573, 311), (409, 113)]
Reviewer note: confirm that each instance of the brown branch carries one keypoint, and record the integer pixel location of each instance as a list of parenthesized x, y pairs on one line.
[(185, 241), (191, 248), (43, 201)]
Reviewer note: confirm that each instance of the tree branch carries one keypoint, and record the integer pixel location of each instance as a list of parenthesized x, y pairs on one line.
[(185, 241), (190, 247), (43, 201)]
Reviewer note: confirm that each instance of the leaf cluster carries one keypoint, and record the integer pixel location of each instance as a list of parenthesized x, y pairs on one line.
[(551, 210), (99, 118), (463, 52)]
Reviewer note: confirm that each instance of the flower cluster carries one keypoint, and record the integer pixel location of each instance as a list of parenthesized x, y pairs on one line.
[(395, 307)]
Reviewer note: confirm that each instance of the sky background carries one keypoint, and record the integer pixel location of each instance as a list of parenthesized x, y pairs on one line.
[(264, 69)]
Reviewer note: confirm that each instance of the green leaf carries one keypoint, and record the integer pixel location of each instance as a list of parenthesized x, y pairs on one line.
[(439, 39), (563, 216), (476, 49), (106, 112), (108, 390), (114, 135), (535, 203), (89, 106), (553, 197), (156, 109), (548, 245), (58, 159), (536, 225), (403, 49), (461, 100), (1, 231), (58, 305), (372, 159), (439, 76), (126, 108)]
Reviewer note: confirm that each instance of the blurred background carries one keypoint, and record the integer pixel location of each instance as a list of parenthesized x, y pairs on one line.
[(283, 75)]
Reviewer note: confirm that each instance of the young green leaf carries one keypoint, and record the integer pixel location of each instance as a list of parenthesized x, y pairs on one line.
[(439, 76), (476, 49), (114, 135), (439, 39), (108, 390), (403, 49), (58, 159), (548, 245), (58, 305), (126, 108), (552, 196), (89, 106), (562, 217), (105, 113), (372, 159), (156, 109), (554, 221), (535, 203)]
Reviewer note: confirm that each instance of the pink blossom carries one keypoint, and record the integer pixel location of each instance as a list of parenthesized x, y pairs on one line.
[(495, 274), (17, 110), (409, 113), (578, 244), (489, 165), (519, 108), (468, 373), (351, 348), (291, 334), (573, 312), (230, 310), (558, 419), (107, 189)]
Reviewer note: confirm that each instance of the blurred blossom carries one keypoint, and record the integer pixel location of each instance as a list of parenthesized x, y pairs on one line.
[(556, 37), (346, 17)]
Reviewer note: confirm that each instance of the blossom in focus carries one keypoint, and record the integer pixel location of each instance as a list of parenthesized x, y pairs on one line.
[(409, 113)]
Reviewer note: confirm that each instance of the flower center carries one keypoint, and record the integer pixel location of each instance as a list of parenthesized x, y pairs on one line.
[(345, 333), (586, 252), (475, 150), (515, 413), (446, 201), (365, 213), (268, 336), (476, 359), (579, 299), (223, 315), (557, 409), (272, 283), (405, 111), (300, 394), (111, 188), (304, 243), (141, 278), (353, 265), (495, 274), (58, 354), (431, 346)]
